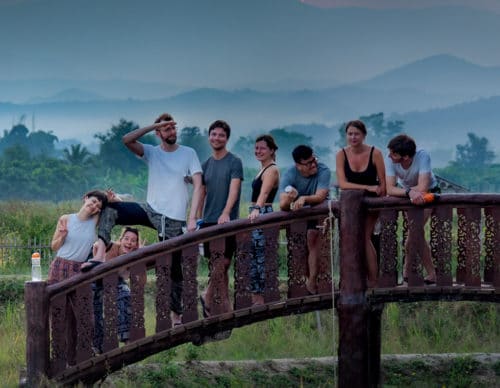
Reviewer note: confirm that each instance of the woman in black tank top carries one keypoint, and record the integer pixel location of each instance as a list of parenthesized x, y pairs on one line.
[(361, 167), (264, 189)]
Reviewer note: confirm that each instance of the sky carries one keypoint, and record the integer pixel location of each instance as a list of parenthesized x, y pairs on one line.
[(238, 43)]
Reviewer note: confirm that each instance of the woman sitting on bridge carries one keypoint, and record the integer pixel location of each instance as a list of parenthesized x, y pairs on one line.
[(264, 189), (361, 167), (72, 241), (128, 242)]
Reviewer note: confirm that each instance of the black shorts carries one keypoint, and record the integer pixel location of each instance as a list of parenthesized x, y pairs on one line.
[(230, 249)]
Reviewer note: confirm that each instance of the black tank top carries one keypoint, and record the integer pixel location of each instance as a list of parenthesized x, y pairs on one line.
[(367, 177), (257, 186)]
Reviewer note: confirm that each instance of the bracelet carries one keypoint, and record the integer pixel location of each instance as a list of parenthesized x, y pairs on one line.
[(255, 207)]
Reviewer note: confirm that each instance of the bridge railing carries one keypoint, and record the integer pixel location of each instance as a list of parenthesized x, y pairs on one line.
[(463, 234), (47, 306), (464, 228)]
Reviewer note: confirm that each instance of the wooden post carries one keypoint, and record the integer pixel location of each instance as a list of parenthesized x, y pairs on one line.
[(37, 332), (352, 307)]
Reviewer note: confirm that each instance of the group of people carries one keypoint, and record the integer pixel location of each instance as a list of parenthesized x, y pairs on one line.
[(216, 191)]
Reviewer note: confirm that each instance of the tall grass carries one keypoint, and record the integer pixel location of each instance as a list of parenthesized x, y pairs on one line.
[(12, 343)]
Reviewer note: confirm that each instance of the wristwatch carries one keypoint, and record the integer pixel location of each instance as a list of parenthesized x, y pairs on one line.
[(408, 192)]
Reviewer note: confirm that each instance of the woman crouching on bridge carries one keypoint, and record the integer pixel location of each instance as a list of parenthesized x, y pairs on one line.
[(361, 167), (72, 241), (128, 242), (264, 189)]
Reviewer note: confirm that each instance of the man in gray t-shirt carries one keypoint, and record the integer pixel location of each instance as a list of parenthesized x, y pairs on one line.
[(306, 184), (408, 174), (221, 188)]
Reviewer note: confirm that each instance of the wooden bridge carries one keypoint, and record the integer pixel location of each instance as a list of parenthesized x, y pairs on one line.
[(465, 242)]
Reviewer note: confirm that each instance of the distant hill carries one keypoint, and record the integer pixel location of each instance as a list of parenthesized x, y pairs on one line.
[(440, 98), (442, 127), (441, 74), (69, 95)]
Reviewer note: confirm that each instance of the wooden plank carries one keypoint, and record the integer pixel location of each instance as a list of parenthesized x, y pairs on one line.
[(190, 283), (325, 255), (492, 246), (163, 265), (218, 281), (415, 246), (271, 265), (242, 295), (110, 313), (388, 252), (137, 283), (82, 306), (441, 242), (297, 259), (37, 332), (469, 235), (59, 357)]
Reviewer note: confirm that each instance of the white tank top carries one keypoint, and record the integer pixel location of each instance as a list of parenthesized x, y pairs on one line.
[(78, 242)]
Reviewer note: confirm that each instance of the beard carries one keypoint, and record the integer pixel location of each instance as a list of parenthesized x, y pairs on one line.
[(171, 140)]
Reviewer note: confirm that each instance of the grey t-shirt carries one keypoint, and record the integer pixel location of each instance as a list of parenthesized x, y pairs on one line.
[(407, 178), (309, 185), (217, 176)]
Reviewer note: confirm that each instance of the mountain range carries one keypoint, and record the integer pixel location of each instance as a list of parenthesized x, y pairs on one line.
[(440, 99)]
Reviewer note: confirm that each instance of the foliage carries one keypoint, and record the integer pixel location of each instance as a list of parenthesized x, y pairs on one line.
[(113, 155), (380, 131), (192, 137), (286, 141), (473, 166), (474, 154), (36, 143)]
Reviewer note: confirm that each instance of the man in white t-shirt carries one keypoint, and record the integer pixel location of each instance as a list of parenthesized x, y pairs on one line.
[(408, 174), (169, 164)]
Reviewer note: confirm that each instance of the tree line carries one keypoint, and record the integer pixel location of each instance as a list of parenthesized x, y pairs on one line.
[(32, 168)]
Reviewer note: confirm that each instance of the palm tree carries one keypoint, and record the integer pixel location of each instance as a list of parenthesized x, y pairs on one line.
[(77, 155)]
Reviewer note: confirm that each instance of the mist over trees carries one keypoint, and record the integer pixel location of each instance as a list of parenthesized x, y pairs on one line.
[(32, 168)]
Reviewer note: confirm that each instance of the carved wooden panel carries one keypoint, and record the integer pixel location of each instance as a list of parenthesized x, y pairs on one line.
[(325, 255), (242, 295), (218, 280), (163, 287), (440, 243), (297, 259), (82, 305), (469, 246), (414, 251), (137, 284), (110, 322), (190, 283), (58, 322), (388, 267), (271, 264), (492, 246)]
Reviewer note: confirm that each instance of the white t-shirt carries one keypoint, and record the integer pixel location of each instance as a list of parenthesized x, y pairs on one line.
[(167, 191), (421, 164)]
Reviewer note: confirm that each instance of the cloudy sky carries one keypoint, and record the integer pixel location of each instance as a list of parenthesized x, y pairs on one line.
[(235, 43)]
